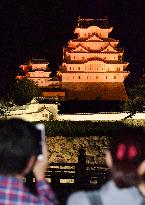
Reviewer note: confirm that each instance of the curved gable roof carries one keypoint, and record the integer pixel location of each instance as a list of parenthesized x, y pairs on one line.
[(80, 48), (109, 48), (94, 38)]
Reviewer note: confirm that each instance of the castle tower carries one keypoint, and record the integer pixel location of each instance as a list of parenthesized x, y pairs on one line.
[(93, 67), (36, 70), (39, 72)]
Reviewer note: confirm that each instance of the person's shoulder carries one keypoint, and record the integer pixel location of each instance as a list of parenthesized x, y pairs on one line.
[(79, 197)]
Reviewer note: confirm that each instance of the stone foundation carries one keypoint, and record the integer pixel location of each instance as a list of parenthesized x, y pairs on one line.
[(92, 91)]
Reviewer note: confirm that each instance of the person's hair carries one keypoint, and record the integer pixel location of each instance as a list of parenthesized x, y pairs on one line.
[(127, 149), (19, 141)]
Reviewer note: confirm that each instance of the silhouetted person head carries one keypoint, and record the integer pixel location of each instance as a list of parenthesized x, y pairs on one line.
[(126, 156), (19, 144), (82, 152)]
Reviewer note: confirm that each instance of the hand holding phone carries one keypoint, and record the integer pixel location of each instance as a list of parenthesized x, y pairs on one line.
[(41, 128), (41, 166)]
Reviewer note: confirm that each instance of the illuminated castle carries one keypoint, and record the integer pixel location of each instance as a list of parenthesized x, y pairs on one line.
[(93, 67), (39, 72)]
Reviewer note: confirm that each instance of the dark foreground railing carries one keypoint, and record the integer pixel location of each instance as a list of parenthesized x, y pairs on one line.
[(70, 177), (76, 173), (66, 178)]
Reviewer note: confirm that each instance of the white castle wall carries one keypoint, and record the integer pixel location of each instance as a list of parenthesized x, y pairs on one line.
[(99, 116), (39, 66), (34, 111), (93, 77)]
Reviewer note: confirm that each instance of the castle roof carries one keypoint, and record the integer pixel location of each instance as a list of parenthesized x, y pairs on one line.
[(38, 61), (94, 59), (85, 23), (84, 39), (94, 38), (110, 49), (79, 48), (82, 49)]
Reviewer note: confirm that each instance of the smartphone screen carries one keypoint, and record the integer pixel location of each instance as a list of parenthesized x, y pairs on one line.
[(41, 128)]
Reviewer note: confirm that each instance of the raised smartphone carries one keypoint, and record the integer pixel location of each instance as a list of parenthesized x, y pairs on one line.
[(41, 128)]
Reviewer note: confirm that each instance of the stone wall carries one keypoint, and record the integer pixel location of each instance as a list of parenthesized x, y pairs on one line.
[(93, 91), (65, 150)]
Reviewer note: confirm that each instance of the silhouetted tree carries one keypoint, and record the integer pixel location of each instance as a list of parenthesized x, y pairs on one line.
[(24, 91), (134, 106), (136, 98), (138, 90)]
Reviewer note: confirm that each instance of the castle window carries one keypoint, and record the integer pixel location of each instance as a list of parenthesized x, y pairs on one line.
[(44, 115), (87, 77), (74, 57), (78, 68), (114, 77), (79, 77), (106, 77), (96, 77)]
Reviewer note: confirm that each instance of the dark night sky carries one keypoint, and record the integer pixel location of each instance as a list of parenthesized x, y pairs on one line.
[(40, 28)]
